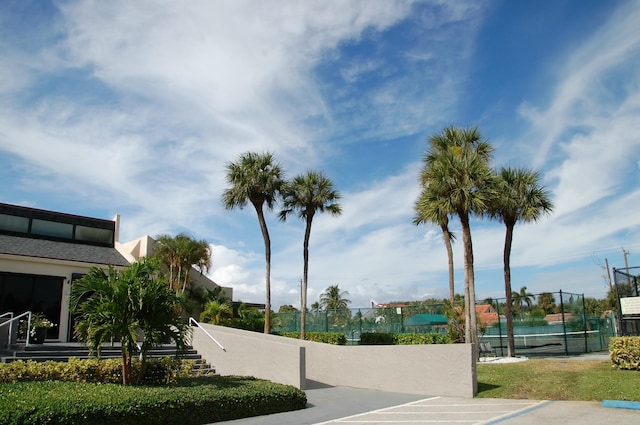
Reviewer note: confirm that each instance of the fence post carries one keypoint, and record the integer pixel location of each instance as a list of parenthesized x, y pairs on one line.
[(584, 323), (499, 328), (564, 326)]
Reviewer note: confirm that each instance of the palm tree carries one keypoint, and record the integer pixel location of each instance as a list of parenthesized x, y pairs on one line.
[(215, 311), (457, 179), (179, 254), (255, 178), (307, 194), (333, 300), (430, 212), (521, 298), (117, 303), (519, 197), (159, 314)]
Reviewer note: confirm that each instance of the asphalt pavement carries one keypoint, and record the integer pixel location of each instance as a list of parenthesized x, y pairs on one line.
[(339, 405)]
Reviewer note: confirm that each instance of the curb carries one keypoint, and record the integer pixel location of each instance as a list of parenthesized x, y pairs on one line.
[(619, 404)]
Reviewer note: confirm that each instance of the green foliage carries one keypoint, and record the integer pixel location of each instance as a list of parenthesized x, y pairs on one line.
[(215, 311), (334, 338), (178, 254), (371, 338), (187, 402), (625, 352), (117, 304), (156, 372)]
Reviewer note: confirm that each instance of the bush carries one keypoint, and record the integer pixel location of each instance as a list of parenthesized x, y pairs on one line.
[(375, 338), (334, 338), (157, 371), (371, 338), (625, 352), (189, 401)]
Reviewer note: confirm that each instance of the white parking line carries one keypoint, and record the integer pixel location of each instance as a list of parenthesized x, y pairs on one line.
[(439, 410)]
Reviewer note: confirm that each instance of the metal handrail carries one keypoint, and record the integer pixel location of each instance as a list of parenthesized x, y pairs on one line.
[(13, 319), (194, 321)]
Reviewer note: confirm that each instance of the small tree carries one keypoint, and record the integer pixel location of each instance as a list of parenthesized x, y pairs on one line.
[(116, 304), (179, 254)]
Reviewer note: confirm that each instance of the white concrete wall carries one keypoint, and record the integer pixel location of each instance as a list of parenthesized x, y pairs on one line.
[(251, 354), (439, 369)]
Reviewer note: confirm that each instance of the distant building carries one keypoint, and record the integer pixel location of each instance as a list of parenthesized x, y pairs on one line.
[(43, 252), (486, 314)]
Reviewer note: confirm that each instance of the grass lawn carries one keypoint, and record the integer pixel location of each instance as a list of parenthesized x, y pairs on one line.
[(558, 379)]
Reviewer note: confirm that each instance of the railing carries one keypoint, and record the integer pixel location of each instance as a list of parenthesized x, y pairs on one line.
[(13, 319), (195, 322)]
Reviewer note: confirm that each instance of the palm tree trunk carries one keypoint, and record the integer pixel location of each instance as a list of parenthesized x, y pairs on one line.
[(446, 235), (511, 346), (267, 257), (305, 275), (125, 367), (471, 333)]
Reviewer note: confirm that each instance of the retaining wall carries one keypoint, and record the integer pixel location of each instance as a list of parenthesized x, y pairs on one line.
[(433, 370)]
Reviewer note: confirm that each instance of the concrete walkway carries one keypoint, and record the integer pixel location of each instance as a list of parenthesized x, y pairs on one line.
[(339, 405)]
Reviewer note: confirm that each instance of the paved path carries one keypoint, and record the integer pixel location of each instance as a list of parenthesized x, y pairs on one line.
[(339, 406)]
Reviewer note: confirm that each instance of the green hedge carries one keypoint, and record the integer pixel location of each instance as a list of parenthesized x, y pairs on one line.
[(335, 338), (375, 338), (625, 352), (192, 401), (157, 371)]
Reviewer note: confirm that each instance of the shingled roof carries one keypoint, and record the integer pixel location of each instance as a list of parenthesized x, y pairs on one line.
[(42, 248)]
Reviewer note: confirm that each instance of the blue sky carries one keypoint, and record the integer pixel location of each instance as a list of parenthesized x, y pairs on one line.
[(134, 108)]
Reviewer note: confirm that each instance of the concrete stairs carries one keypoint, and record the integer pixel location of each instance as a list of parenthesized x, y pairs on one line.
[(61, 352)]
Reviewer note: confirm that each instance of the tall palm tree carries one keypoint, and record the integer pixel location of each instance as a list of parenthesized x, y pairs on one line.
[(179, 254), (519, 197), (255, 178), (458, 180), (428, 211), (307, 194)]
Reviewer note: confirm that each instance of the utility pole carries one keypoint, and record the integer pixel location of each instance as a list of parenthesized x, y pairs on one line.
[(626, 263), (606, 262)]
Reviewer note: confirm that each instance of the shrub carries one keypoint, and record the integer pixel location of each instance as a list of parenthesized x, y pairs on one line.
[(334, 338), (191, 401), (157, 371), (375, 338), (625, 352), (371, 338)]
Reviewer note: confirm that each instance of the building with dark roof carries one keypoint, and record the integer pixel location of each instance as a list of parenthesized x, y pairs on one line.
[(43, 252)]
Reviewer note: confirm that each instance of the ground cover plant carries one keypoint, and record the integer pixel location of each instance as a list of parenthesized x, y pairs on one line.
[(558, 379), (188, 401)]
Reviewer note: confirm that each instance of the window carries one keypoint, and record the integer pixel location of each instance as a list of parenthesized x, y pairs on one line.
[(13, 223), (93, 234), (52, 228)]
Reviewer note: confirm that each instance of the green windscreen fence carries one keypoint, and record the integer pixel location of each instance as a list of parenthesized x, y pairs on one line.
[(548, 324)]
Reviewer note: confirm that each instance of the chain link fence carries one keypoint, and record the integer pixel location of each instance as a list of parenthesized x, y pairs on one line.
[(552, 323), (547, 324), (626, 288)]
